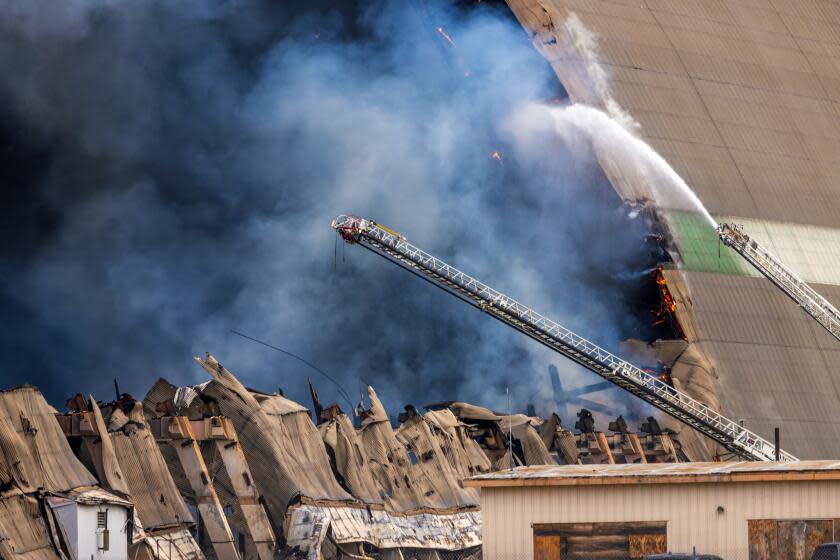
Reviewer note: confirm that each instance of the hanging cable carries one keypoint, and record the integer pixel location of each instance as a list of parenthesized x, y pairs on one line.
[(295, 356)]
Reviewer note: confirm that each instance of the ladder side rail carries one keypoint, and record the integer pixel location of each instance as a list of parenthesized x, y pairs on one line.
[(527, 314), (803, 294), (658, 393), (797, 290), (806, 292)]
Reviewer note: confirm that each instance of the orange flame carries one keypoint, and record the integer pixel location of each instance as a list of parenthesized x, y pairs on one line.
[(668, 308), (445, 36)]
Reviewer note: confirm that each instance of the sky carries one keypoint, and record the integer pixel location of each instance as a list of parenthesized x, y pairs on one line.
[(170, 170)]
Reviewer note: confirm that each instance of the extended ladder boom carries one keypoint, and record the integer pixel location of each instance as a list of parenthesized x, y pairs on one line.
[(813, 303), (394, 247)]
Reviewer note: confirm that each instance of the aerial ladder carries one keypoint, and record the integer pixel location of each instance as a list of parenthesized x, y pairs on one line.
[(393, 246), (808, 299)]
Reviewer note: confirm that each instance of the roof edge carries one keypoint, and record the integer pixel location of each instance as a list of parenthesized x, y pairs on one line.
[(613, 480)]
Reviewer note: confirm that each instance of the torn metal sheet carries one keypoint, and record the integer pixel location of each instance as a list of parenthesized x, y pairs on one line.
[(308, 526), (23, 533), (33, 450), (175, 545), (413, 479)]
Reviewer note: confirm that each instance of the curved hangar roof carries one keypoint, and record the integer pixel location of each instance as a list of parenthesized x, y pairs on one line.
[(742, 98)]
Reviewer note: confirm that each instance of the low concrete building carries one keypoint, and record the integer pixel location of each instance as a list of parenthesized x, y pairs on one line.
[(767, 511)]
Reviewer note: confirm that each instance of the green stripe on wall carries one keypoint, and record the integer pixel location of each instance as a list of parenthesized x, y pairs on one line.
[(701, 249)]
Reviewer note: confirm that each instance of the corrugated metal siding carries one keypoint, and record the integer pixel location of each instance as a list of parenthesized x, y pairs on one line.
[(777, 366), (46, 458), (22, 530), (690, 512), (158, 502)]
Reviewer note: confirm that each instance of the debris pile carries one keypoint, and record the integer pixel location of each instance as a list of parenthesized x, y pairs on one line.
[(225, 472)]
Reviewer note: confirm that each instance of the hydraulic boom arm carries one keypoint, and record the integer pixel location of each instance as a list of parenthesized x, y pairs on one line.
[(394, 247), (813, 303)]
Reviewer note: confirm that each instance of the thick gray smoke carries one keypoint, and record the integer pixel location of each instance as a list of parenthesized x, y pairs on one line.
[(170, 170)]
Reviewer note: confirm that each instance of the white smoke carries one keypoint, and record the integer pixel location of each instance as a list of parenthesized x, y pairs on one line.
[(581, 127), (613, 132), (583, 43)]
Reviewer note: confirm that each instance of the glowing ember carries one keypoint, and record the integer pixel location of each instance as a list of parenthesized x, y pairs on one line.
[(661, 372), (496, 155), (445, 36)]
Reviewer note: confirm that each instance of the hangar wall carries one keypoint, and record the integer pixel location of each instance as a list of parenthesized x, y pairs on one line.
[(742, 98)]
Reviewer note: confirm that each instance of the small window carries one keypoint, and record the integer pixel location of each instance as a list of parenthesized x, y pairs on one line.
[(102, 519)]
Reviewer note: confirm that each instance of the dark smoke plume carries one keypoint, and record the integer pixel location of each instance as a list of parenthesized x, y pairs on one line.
[(170, 170)]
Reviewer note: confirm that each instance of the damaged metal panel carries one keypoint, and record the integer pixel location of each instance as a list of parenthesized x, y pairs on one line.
[(533, 447), (350, 460), (37, 465), (206, 500), (462, 452), (308, 528), (268, 426), (35, 452), (482, 427), (173, 545), (111, 476), (247, 497), (430, 468), (34, 457), (23, 532), (491, 431), (412, 483), (394, 501), (203, 446), (158, 502), (559, 441)]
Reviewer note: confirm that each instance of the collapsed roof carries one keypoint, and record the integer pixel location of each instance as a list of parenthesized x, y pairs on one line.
[(313, 478), (37, 465), (328, 489)]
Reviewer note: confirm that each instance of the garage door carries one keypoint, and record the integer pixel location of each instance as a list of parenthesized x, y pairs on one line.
[(593, 541)]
